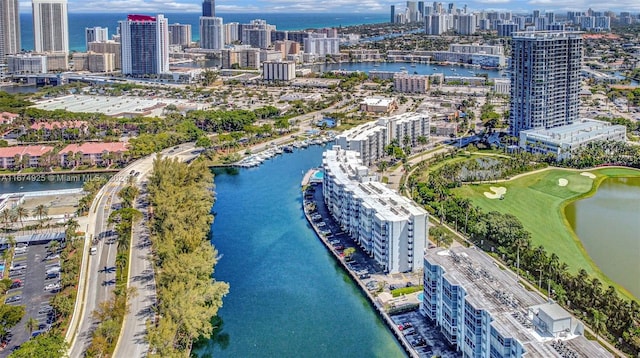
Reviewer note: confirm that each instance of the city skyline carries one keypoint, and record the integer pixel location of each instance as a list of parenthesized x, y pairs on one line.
[(344, 6)]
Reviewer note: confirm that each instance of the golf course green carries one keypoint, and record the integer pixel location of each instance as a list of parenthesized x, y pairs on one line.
[(538, 199)]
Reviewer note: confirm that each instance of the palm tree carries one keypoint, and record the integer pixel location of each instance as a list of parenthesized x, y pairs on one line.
[(598, 324), (21, 213), (72, 227), (40, 212), (5, 216), (121, 262), (31, 325)]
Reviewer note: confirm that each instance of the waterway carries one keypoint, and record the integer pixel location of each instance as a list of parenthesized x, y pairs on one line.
[(411, 68), (18, 185), (288, 297), (608, 224)]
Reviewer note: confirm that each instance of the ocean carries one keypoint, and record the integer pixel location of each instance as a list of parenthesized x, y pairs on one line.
[(78, 22)]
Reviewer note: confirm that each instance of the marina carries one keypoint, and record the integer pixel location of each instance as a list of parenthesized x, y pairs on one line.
[(255, 159)]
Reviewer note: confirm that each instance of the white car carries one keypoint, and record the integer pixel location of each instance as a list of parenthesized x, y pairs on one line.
[(52, 286)]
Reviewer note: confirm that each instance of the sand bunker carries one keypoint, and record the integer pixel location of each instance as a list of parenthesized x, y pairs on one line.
[(588, 175), (496, 192), (563, 182)]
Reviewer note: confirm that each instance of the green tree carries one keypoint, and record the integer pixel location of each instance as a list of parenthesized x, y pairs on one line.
[(31, 325), (349, 251)]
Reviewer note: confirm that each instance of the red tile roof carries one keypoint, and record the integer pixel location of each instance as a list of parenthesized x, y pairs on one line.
[(95, 148), (61, 125), (31, 150), (6, 117)]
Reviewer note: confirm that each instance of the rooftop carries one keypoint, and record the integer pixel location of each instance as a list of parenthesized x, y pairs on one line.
[(31, 150), (58, 125), (115, 106), (95, 147), (580, 131), (511, 306)]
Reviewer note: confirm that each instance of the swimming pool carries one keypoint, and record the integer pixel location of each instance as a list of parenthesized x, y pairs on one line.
[(420, 296), (319, 175)]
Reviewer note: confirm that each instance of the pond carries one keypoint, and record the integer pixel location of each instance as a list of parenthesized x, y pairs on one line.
[(608, 224)]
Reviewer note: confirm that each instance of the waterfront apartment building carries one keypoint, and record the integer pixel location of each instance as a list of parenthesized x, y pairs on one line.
[(483, 311), (477, 48), (389, 227), (211, 33), (320, 45), (145, 45), (406, 83), (95, 34), (370, 139), (26, 63), (22, 155), (180, 34), (241, 57), (545, 79), (50, 26), (10, 41), (565, 140), (278, 70)]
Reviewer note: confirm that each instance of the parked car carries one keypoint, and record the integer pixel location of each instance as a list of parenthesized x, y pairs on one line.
[(16, 284), (15, 298)]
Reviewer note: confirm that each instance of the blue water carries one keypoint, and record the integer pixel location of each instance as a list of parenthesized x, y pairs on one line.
[(420, 296), (417, 68), (318, 175), (78, 22), (37, 182), (288, 297)]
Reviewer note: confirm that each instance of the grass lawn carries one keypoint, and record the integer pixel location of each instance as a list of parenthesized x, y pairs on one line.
[(538, 201)]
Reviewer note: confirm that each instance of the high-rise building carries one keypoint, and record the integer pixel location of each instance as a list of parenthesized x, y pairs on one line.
[(95, 34), (231, 34), (421, 9), (393, 14), (209, 8), (50, 26), (412, 11), (321, 45), (180, 34), (545, 79), (211, 33), (9, 29), (145, 45)]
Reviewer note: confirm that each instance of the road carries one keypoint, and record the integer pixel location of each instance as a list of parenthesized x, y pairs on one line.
[(98, 269), (131, 342), (97, 272)]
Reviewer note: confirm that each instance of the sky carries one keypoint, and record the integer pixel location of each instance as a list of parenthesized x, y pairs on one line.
[(331, 6)]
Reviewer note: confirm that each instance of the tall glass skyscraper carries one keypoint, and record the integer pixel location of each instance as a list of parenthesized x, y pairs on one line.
[(145, 45), (545, 79), (9, 28), (50, 26), (209, 8)]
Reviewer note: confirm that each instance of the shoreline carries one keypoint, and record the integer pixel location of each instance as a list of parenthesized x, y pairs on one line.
[(373, 302), (384, 316)]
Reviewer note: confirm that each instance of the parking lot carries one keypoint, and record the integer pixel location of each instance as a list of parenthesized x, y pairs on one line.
[(423, 335), (35, 273)]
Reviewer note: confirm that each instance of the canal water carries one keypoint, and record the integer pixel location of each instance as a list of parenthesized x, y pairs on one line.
[(608, 224), (288, 297), (39, 182), (415, 68)]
